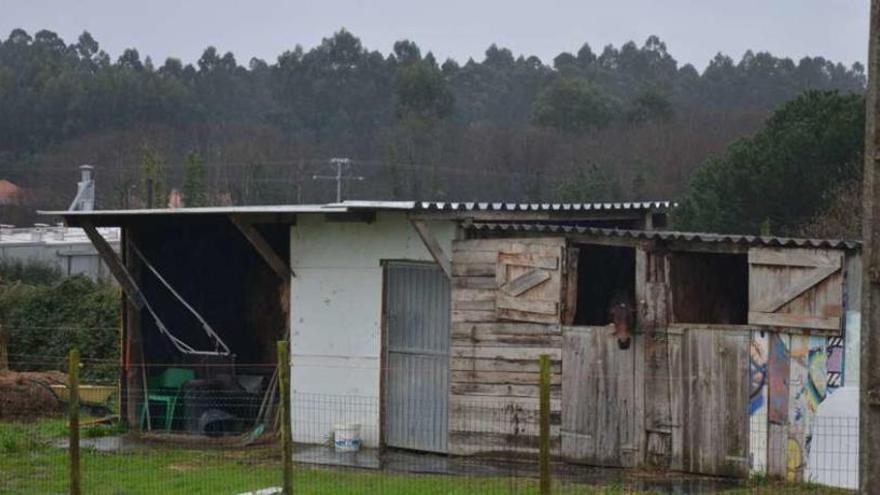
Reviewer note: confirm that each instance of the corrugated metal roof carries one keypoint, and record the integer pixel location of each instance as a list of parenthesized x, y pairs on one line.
[(347, 206), (501, 206), (526, 207), (667, 235), (222, 210)]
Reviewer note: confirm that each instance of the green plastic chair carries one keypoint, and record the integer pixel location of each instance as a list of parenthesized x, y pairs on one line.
[(165, 388)]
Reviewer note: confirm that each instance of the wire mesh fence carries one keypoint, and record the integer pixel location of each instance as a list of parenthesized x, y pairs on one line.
[(193, 428)]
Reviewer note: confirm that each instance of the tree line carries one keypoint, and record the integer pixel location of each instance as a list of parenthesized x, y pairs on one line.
[(621, 123)]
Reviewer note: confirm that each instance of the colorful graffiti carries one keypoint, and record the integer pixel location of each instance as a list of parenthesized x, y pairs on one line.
[(790, 373), (817, 384), (778, 368), (834, 362), (757, 375), (796, 460)]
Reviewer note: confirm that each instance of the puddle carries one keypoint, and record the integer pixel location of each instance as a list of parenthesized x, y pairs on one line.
[(114, 443)]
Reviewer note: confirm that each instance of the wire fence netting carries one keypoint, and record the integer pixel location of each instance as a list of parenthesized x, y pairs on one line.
[(211, 429)]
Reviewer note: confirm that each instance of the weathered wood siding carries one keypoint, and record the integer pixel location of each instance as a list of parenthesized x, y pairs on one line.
[(800, 288), (493, 406), (653, 298), (599, 400)]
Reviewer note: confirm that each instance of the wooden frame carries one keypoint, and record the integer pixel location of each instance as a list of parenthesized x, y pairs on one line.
[(433, 245)]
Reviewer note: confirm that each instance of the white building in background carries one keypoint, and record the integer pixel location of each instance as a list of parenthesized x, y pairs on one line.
[(66, 249)]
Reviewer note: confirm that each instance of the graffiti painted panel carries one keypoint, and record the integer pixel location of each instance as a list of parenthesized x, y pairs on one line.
[(799, 413), (778, 373), (758, 374), (817, 385)]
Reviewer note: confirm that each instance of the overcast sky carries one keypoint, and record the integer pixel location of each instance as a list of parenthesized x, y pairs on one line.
[(694, 30)]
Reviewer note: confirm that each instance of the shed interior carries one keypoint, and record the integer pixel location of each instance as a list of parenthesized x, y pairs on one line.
[(234, 290)]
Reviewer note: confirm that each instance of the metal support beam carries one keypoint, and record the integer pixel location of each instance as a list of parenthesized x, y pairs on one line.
[(264, 249), (114, 263), (869, 392), (433, 246)]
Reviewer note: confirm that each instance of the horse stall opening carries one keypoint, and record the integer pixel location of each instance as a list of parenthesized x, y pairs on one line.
[(218, 293), (709, 288)]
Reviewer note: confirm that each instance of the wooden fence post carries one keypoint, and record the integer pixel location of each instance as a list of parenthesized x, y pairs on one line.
[(544, 452), (286, 435), (73, 437)]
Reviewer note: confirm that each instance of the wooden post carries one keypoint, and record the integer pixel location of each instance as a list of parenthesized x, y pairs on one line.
[(286, 435), (544, 452), (869, 392), (73, 447)]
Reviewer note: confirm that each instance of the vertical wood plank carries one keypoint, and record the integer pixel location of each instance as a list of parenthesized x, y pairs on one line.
[(544, 454), (677, 400)]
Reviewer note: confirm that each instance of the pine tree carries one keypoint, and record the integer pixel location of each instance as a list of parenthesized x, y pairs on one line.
[(153, 178), (194, 193)]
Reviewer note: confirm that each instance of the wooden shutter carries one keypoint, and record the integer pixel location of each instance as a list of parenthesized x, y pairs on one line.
[(535, 280), (801, 288)]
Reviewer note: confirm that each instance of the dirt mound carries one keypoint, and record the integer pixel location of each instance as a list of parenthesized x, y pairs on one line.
[(26, 394)]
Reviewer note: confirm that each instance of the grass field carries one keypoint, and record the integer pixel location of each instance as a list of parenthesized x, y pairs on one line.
[(31, 464)]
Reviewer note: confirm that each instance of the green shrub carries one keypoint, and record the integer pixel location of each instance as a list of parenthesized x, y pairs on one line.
[(44, 321), (28, 272)]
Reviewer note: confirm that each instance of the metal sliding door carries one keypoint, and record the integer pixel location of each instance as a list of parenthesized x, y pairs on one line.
[(417, 313)]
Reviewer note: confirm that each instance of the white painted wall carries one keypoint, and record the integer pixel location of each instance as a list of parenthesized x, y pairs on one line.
[(336, 312)]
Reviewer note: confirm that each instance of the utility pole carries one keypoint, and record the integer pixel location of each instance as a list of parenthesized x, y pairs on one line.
[(869, 391), (340, 164)]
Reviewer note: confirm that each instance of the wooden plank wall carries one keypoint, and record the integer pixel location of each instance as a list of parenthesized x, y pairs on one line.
[(494, 364)]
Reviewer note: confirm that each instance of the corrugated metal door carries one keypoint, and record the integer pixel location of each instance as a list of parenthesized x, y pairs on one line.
[(417, 313)]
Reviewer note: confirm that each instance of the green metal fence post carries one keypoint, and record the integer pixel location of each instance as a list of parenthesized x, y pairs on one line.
[(73, 437), (286, 436), (544, 453)]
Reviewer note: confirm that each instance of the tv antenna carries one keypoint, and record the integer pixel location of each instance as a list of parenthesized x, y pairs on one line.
[(340, 164)]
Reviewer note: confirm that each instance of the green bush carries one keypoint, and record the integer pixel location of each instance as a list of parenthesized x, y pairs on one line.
[(44, 321), (28, 272)]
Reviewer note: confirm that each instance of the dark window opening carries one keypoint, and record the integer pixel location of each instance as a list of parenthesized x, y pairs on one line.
[(605, 274), (710, 288)]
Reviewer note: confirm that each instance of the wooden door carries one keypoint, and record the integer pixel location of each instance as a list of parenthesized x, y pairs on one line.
[(598, 398), (710, 402)]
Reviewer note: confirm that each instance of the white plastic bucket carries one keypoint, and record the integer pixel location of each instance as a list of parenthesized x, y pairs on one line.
[(347, 437)]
